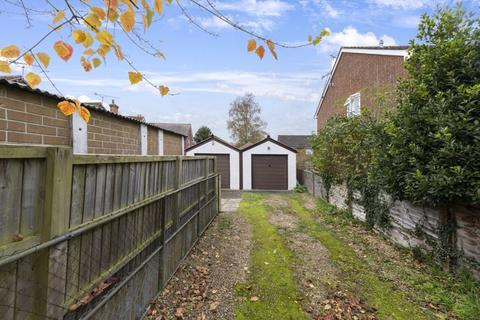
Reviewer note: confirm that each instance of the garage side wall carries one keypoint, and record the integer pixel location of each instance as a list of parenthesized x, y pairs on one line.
[(214, 147), (265, 148)]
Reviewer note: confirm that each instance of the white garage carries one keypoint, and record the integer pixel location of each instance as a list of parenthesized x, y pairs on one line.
[(227, 156), (269, 165)]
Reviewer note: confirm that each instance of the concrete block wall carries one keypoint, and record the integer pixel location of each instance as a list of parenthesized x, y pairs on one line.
[(33, 118), (406, 220)]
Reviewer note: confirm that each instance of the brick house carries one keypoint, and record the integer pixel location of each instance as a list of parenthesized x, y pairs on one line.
[(31, 116), (361, 77), (302, 144)]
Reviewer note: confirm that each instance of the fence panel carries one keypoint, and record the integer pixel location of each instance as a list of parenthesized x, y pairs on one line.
[(95, 236)]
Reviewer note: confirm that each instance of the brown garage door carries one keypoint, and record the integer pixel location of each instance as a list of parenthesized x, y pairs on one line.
[(223, 167), (270, 172)]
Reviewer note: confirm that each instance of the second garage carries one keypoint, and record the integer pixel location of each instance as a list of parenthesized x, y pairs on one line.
[(269, 165)]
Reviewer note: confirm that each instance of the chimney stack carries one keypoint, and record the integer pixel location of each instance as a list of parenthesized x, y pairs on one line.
[(113, 107)]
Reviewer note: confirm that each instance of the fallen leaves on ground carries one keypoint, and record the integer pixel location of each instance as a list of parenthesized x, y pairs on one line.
[(343, 305)]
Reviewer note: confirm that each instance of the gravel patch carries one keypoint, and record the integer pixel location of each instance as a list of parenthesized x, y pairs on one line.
[(203, 286)]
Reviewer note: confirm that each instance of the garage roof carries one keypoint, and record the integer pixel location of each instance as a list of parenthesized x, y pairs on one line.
[(213, 137), (268, 138)]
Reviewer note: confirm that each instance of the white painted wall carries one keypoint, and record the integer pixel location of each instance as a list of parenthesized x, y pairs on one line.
[(215, 147), (183, 145), (143, 139), (160, 142), (80, 136), (269, 147)]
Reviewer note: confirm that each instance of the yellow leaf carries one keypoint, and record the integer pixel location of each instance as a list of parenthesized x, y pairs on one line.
[(135, 77), (105, 37), (96, 62), (44, 58), (251, 45), (78, 36), (160, 55), (164, 90), (118, 52), (33, 79), (88, 40), (67, 107), (88, 52), (99, 12), (28, 58), (127, 19), (59, 16), (260, 52), (4, 67), (147, 18), (10, 52), (158, 5), (103, 50), (85, 114), (87, 66), (271, 47), (93, 22), (112, 15), (64, 50)]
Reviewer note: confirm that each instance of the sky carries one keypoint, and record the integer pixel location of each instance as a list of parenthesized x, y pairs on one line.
[(206, 73)]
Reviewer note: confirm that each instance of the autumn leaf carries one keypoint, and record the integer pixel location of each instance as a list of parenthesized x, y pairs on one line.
[(260, 52), (67, 107), (85, 114), (160, 55), (28, 58), (96, 62), (135, 77), (147, 19), (5, 67), (44, 58), (33, 79), (158, 5), (103, 50), (78, 36), (251, 45), (104, 37), (118, 52), (88, 40), (99, 12), (64, 50), (93, 22), (59, 16), (87, 66), (271, 47), (10, 52), (127, 19), (88, 52), (164, 90)]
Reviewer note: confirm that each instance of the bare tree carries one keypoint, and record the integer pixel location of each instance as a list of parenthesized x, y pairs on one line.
[(244, 123)]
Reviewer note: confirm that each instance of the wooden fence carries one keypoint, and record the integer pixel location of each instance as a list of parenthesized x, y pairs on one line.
[(95, 236)]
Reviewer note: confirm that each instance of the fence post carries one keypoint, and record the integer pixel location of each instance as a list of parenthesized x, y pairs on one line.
[(52, 262), (178, 184)]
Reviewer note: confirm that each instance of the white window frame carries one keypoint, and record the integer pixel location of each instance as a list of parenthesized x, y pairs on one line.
[(353, 105)]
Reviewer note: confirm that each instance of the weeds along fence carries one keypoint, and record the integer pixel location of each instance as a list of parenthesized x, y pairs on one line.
[(96, 236), (412, 226)]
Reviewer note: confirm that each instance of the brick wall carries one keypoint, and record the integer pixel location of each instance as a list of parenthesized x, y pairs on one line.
[(152, 141), (371, 75), (172, 144), (27, 117), (108, 134)]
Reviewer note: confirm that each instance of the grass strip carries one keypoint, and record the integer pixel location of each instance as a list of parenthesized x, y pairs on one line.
[(270, 278)]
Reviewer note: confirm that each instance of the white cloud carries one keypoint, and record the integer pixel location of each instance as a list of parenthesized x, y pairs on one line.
[(319, 8), (284, 86), (259, 25), (212, 23), (402, 4), (262, 8), (351, 37)]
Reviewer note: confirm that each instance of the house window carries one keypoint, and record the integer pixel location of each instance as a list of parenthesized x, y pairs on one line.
[(353, 105), (308, 152)]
